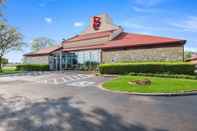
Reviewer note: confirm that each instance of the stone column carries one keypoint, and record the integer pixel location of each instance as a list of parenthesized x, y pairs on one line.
[(60, 64)]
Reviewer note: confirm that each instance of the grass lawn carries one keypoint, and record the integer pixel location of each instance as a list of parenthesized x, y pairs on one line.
[(159, 85), (9, 70)]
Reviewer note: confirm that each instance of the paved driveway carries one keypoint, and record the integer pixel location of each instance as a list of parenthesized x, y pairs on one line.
[(71, 101)]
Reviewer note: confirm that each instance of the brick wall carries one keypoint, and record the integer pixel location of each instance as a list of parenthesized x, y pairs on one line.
[(167, 53)]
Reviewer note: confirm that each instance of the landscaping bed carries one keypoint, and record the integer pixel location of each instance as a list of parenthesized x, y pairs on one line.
[(127, 83)]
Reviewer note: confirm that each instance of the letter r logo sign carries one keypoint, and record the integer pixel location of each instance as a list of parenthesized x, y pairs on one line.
[(96, 22)]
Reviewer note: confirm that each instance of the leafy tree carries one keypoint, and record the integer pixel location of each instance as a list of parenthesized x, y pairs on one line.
[(188, 54), (4, 61), (10, 39), (41, 42), (1, 3)]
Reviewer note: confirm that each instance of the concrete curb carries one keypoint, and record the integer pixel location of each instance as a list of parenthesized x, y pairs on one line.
[(24, 73), (148, 94)]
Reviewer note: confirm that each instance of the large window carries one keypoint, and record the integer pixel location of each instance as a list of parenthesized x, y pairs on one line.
[(80, 59), (88, 56)]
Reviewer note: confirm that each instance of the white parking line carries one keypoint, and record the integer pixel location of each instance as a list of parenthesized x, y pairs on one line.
[(75, 77), (55, 81), (69, 78), (65, 80), (81, 83), (45, 81)]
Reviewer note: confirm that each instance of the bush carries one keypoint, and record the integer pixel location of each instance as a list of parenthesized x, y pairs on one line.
[(32, 67), (164, 75), (151, 67)]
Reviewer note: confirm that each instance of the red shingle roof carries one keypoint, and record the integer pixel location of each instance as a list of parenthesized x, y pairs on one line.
[(130, 40), (122, 41), (44, 51)]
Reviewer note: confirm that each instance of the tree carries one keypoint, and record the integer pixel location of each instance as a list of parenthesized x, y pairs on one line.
[(41, 42), (4, 61), (1, 3), (188, 54), (10, 39)]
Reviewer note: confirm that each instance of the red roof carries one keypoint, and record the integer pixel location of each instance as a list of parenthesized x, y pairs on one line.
[(121, 41), (130, 40), (44, 51)]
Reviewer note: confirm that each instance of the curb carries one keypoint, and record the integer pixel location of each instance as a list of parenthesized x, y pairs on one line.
[(148, 94), (24, 73)]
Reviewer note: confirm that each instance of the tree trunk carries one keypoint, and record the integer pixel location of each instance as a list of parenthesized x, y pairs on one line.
[(0, 63)]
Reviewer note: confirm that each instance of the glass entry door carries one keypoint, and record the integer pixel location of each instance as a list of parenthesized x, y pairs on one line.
[(69, 60), (81, 60)]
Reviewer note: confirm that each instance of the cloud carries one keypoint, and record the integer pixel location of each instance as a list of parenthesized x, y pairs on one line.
[(142, 26), (146, 6), (78, 24), (191, 49), (189, 24), (148, 3), (48, 20), (146, 10), (44, 3)]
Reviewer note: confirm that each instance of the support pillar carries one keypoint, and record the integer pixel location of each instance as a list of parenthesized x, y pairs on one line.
[(60, 64)]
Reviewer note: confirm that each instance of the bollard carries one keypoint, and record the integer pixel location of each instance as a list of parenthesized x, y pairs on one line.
[(195, 71)]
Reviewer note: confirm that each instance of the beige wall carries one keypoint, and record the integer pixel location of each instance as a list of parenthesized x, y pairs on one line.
[(148, 54), (36, 60), (86, 42), (106, 24)]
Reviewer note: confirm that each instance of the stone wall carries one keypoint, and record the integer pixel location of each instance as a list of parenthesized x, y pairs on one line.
[(167, 53), (36, 60)]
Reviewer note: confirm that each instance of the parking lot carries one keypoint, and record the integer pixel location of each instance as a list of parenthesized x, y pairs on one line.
[(71, 101)]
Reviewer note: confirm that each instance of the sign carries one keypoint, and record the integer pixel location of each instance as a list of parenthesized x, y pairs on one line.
[(96, 22)]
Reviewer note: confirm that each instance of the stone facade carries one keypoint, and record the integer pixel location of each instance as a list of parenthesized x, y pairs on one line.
[(37, 60), (171, 53)]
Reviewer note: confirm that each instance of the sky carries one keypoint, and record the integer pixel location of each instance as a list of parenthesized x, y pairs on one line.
[(58, 19)]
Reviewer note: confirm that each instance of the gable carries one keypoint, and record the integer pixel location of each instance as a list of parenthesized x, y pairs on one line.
[(100, 23)]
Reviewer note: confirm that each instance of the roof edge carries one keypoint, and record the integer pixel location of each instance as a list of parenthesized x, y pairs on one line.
[(42, 54)]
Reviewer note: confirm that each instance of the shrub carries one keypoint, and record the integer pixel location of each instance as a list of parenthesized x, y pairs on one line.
[(151, 67), (165, 75), (33, 67)]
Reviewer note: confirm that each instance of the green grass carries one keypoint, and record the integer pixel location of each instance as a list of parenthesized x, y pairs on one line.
[(159, 85), (9, 70)]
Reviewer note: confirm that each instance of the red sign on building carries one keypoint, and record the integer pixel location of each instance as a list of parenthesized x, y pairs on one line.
[(96, 22)]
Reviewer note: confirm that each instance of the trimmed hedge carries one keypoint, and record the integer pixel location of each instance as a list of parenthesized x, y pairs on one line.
[(32, 67), (159, 68), (165, 75)]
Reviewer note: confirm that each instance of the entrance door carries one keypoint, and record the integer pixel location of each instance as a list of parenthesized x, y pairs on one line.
[(70, 60)]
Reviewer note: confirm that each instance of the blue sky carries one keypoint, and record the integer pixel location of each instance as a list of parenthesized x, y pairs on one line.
[(58, 19)]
